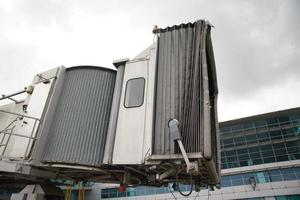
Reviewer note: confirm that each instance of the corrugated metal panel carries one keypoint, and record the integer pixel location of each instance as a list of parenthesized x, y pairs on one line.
[(186, 88), (111, 132), (79, 129)]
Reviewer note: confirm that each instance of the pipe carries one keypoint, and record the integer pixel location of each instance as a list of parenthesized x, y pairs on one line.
[(11, 95)]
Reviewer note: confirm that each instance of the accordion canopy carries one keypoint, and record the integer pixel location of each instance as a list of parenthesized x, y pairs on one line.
[(186, 89)]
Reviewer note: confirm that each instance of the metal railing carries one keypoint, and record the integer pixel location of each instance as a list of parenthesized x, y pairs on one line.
[(11, 95), (9, 131)]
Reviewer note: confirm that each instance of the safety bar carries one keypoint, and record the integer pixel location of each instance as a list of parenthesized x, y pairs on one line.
[(11, 95), (31, 138), (18, 114)]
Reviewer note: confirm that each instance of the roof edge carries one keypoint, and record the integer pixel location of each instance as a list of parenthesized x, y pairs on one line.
[(260, 116)]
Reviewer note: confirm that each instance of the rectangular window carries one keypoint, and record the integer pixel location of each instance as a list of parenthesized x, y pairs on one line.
[(232, 158), (275, 175), (236, 128), (297, 131), (297, 172), (226, 181), (121, 194), (225, 130), (247, 176), (295, 118), (262, 177), (293, 149), (228, 143), (251, 139), (233, 164), (263, 137), (257, 161), (288, 174), (245, 163), (288, 133), (223, 154), (249, 126), (280, 152), (275, 135), (284, 120), (237, 180), (240, 141), (282, 158), (223, 160), (272, 122), (269, 159), (131, 191), (243, 154), (134, 95), (140, 191), (224, 165), (254, 152), (267, 153), (260, 124), (230, 153)]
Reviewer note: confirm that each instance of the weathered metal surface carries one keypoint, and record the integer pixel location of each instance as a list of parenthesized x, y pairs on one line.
[(134, 132), (79, 127), (186, 89)]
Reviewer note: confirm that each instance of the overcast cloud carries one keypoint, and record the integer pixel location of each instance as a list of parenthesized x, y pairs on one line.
[(256, 43)]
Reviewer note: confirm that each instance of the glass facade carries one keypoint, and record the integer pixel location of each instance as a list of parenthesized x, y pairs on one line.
[(289, 197), (261, 141), (261, 177), (140, 191)]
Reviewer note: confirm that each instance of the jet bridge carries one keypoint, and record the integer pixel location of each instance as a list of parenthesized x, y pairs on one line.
[(150, 121)]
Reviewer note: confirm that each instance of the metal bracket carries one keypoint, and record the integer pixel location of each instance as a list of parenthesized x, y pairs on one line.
[(44, 80), (191, 167)]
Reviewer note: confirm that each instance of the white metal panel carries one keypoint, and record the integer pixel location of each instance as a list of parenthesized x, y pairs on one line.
[(133, 140), (128, 148), (18, 145), (150, 98), (8, 121)]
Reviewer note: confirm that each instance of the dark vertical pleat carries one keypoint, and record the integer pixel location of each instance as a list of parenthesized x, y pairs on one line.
[(179, 89), (79, 129)]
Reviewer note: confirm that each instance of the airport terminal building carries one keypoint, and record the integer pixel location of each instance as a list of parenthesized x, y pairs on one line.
[(260, 160)]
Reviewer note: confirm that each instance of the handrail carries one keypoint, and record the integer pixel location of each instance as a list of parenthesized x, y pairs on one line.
[(15, 134), (11, 95), (18, 114), (30, 138)]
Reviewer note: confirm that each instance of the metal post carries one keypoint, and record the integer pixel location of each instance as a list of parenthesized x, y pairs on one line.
[(174, 131), (30, 139)]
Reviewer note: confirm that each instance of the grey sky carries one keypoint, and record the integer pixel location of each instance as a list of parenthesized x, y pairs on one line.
[(256, 43)]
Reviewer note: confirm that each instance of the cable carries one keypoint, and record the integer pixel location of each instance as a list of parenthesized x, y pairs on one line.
[(191, 183), (197, 195), (172, 193), (176, 181)]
